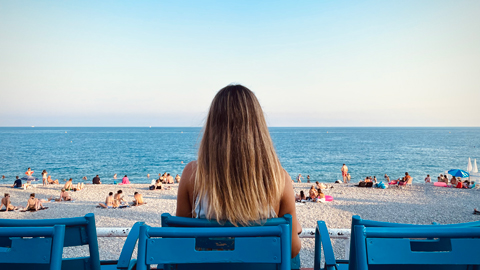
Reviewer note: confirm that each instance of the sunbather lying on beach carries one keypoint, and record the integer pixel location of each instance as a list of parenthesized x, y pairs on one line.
[(50, 181), (64, 196), (138, 199), (109, 201), (6, 202), (80, 186), (476, 212)]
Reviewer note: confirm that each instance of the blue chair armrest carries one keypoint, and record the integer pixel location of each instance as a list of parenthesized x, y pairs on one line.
[(125, 261), (322, 238)]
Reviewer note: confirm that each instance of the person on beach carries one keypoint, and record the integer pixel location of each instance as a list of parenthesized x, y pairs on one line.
[(109, 201), (312, 193), (222, 185), (79, 187), (119, 198), (50, 181), (349, 177), (453, 178), (148, 175), (344, 170), (29, 172), (6, 202), (96, 180), (405, 180), (125, 181), (84, 178), (44, 177), (17, 183), (387, 178), (137, 199), (33, 203), (299, 178), (428, 179), (308, 178), (159, 184), (169, 179), (454, 182), (115, 176), (445, 179), (68, 185), (64, 196), (177, 178), (465, 184), (300, 197)]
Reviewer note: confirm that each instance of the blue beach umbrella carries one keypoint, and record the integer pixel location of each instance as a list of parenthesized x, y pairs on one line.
[(29, 178), (458, 173)]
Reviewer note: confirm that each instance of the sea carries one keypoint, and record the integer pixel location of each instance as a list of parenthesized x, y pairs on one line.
[(75, 152)]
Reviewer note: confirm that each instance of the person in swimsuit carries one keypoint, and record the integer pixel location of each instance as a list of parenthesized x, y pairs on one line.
[(138, 199), (308, 178), (33, 203), (109, 201), (29, 172), (428, 179), (50, 181), (80, 186), (119, 198), (44, 177), (68, 185), (299, 178), (64, 196), (221, 184), (169, 179), (344, 170), (177, 178), (6, 202)]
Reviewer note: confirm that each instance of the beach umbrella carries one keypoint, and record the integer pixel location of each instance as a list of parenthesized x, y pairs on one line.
[(458, 173), (29, 178), (469, 166), (475, 169)]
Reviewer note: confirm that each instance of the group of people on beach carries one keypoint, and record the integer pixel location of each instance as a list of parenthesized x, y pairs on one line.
[(455, 182), (118, 201), (315, 193), (33, 204)]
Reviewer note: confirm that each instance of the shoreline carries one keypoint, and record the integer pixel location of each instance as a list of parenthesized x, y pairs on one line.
[(418, 204)]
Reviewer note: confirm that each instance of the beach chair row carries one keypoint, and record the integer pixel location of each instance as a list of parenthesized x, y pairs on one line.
[(186, 243)]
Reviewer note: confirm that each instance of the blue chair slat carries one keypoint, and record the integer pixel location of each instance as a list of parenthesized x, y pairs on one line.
[(357, 220), (125, 261), (371, 244), (46, 247), (260, 245), (173, 221)]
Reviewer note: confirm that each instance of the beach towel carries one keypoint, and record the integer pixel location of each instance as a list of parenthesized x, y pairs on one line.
[(33, 210)]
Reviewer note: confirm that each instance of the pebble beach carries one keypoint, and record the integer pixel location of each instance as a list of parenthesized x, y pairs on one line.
[(418, 204)]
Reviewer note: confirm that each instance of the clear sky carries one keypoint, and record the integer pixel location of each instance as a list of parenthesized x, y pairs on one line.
[(310, 63)]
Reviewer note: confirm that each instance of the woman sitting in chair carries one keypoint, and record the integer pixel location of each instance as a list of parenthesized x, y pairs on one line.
[(237, 176)]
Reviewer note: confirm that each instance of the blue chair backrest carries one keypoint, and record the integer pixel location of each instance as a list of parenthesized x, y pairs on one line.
[(31, 247), (393, 248), (79, 231), (173, 221), (251, 245), (357, 220)]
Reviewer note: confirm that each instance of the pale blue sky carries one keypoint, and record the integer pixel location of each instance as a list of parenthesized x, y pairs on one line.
[(311, 63)]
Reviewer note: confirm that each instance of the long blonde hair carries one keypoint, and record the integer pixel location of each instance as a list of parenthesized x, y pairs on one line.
[(238, 171)]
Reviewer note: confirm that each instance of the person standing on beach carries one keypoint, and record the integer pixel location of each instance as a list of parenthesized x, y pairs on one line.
[(299, 178), (29, 172), (44, 177), (96, 180), (308, 178), (344, 170)]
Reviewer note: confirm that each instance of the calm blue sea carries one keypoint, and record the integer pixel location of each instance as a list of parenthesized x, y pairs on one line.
[(318, 152)]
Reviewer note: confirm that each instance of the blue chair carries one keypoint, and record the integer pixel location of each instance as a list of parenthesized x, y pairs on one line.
[(32, 247), (80, 231), (174, 221), (393, 248), (322, 238), (266, 245)]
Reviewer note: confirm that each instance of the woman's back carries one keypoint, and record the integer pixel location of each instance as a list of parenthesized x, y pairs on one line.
[(237, 176)]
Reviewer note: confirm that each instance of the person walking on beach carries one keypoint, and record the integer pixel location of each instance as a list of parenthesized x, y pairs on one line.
[(308, 178), (299, 178), (96, 180), (344, 170)]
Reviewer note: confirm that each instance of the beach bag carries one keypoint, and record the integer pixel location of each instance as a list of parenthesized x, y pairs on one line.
[(151, 187), (361, 184), (369, 184)]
